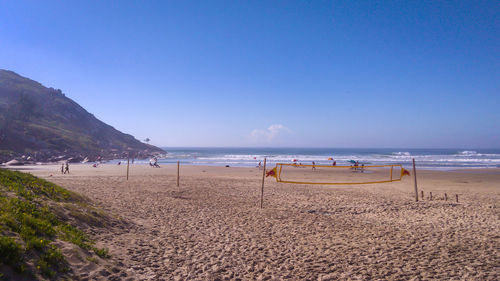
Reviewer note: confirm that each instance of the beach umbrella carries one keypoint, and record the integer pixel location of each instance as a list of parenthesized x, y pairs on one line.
[(330, 158), (294, 160), (352, 161)]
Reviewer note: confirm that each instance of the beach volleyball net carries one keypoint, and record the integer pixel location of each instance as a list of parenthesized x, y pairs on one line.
[(336, 175)]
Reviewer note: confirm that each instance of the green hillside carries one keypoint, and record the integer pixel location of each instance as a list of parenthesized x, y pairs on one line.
[(44, 124)]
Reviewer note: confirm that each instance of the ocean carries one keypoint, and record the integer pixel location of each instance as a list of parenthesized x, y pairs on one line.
[(433, 159)]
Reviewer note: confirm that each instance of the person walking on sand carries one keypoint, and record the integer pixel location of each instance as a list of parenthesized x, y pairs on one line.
[(66, 170), (62, 168), (314, 166)]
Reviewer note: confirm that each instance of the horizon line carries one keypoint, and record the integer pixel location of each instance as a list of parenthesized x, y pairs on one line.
[(325, 147)]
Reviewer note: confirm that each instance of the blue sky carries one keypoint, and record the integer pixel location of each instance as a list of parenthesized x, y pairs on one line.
[(270, 73)]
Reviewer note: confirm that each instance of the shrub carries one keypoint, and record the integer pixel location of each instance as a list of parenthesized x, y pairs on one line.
[(103, 253), (10, 251), (75, 236), (51, 262)]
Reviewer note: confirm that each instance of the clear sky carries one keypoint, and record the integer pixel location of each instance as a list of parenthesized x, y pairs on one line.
[(270, 73)]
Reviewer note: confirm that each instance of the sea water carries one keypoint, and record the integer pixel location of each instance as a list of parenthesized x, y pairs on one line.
[(434, 159)]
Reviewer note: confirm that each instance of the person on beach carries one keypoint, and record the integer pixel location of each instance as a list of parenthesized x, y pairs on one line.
[(155, 162), (66, 170), (260, 165), (62, 168), (314, 165), (334, 163)]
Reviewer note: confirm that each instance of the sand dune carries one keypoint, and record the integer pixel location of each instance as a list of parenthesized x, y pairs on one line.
[(211, 227)]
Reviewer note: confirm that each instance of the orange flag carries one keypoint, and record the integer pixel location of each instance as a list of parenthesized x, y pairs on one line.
[(271, 173), (404, 172)]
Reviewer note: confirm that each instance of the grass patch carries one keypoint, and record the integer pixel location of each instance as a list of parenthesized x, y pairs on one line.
[(86, 214), (10, 252), (76, 236), (24, 211), (92, 259), (51, 262), (31, 187), (103, 253)]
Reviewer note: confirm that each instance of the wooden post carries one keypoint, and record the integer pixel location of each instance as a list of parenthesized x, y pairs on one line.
[(178, 164), (415, 177), (456, 195), (263, 179), (431, 195), (391, 174), (422, 192), (445, 197), (128, 164)]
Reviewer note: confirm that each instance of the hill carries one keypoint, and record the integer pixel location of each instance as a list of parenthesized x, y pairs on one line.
[(42, 124)]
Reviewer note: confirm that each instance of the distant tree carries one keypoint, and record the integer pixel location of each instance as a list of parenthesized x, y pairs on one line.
[(147, 140)]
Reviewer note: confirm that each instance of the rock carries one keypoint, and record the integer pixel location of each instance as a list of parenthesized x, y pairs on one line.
[(14, 162), (76, 159)]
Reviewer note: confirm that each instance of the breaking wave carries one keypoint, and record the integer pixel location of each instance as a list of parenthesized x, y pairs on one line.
[(250, 157)]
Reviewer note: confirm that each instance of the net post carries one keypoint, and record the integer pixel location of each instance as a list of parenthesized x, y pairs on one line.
[(178, 164), (263, 179), (415, 178), (391, 172), (128, 164)]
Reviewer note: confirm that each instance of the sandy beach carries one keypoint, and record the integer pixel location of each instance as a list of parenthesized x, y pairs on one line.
[(211, 227)]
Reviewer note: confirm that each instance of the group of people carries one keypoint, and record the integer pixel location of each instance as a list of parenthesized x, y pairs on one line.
[(334, 163), (358, 168), (153, 162), (65, 168)]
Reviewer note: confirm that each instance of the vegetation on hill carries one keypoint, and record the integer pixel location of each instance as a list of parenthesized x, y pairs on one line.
[(34, 215), (43, 124)]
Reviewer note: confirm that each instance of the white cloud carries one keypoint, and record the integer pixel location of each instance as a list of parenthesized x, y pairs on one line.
[(270, 134)]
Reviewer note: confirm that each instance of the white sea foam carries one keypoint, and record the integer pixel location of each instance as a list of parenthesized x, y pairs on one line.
[(402, 153), (467, 152), (365, 158), (427, 159)]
